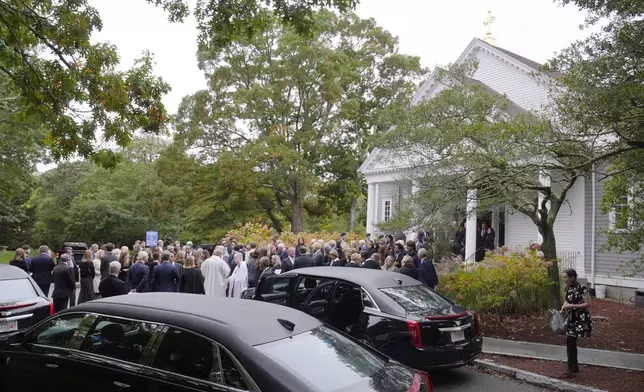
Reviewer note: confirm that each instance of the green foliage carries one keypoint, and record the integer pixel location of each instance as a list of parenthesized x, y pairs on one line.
[(263, 235), (605, 102), (71, 86), (285, 112), (222, 22), (84, 202), (504, 283)]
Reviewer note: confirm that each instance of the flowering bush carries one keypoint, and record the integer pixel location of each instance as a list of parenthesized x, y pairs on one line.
[(506, 282), (262, 235)]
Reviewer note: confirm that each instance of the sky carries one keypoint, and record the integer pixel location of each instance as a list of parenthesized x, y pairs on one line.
[(435, 30)]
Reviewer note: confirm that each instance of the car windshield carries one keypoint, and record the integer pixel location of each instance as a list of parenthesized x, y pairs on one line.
[(417, 298), (16, 289), (329, 361)]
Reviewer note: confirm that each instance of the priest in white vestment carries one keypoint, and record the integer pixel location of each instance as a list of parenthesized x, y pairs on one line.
[(238, 281), (215, 272)]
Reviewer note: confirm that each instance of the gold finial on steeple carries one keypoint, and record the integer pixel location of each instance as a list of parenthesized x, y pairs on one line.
[(488, 22)]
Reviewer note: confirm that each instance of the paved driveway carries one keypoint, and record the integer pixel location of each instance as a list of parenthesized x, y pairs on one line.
[(466, 379)]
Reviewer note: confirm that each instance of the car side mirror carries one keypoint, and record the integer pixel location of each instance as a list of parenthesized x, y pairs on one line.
[(14, 338)]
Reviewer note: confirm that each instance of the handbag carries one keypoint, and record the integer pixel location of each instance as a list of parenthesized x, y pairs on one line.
[(557, 321)]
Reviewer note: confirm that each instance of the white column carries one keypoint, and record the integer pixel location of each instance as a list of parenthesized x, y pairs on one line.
[(544, 180), (470, 227), (495, 225), (370, 204), (376, 217)]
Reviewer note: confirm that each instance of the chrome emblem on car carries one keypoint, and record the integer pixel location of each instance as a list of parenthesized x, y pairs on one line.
[(458, 323)]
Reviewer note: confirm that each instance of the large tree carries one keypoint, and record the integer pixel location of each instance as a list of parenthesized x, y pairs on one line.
[(285, 105), (604, 76), (222, 22), (71, 85)]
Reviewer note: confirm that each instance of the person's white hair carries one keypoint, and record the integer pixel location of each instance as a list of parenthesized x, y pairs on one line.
[(115, 268), (219, 251), (143, 255), (239, 256), (117, 253)]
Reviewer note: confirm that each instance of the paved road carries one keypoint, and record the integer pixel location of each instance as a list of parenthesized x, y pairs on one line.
[(467, 379)]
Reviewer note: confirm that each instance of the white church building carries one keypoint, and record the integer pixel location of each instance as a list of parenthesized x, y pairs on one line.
[(580, 226)]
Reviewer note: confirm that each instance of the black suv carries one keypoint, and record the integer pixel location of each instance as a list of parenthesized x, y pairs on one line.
[(78, 248), (391, 312)]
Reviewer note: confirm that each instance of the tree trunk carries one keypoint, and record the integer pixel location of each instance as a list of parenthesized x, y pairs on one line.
[(549, 249), (274, 221), (296, 216), (353, 215)]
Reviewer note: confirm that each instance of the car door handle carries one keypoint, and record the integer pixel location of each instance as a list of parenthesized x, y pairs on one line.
[(52, 365), (121, 384)]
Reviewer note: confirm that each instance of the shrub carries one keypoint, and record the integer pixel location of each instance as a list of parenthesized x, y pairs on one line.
[(262, 235), (503, 283)]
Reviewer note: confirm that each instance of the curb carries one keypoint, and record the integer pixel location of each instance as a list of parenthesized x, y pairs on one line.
[(533, 378), (541, 358)]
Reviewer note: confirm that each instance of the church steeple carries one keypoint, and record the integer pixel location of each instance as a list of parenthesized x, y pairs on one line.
[(488, 22)]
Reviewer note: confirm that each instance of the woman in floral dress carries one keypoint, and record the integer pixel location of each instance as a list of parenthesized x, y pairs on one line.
[(579, 323)]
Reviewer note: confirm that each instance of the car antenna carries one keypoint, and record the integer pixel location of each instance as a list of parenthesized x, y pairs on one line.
[(399, 281), (286, 324)]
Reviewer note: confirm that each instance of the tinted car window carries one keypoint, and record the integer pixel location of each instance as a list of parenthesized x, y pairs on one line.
[(58, 331), (190, 355), (232, 376), (118, 338), (274, 285), (325, 359), (16, 289), (322, 292), (417, 298)]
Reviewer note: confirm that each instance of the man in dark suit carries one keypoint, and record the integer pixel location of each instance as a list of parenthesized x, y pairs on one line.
[(139, 273), (372, 262), (64, 283), (427, 272), (166, 275), (41, 269), (112, 285), (106, 260), (289, 261), (304, 260)]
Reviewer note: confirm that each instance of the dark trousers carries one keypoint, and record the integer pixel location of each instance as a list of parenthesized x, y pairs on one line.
[(60, 304), (72, 299), (45, 288), (571, 350)]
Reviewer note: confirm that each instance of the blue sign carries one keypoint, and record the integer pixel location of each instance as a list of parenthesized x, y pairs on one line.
[(151, 238)]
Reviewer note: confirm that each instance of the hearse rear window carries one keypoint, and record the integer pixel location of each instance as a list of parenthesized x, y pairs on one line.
[(417, 298)]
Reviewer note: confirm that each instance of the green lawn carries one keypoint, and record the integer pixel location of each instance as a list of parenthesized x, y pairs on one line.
[(5, 257)]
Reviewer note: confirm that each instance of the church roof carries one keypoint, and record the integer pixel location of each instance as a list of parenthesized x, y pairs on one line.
[(530, 63)]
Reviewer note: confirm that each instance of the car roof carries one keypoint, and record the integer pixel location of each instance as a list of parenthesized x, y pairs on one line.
[(79, 244), (365, 277), (11, 272), (254, 322)]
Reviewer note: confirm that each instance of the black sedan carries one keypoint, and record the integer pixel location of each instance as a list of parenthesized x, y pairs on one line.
[(160, 342), (22, 303), (396, 314)]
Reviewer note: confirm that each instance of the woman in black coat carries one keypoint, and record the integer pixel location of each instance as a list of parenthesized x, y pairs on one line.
[(19, 260), (409, 268), (191, 280)]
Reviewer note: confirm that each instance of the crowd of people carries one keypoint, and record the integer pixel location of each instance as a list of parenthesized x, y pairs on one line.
[(230, 270)]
